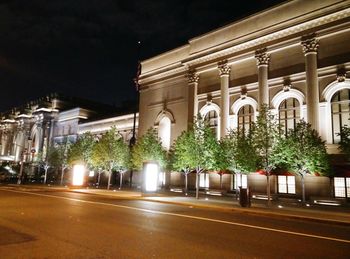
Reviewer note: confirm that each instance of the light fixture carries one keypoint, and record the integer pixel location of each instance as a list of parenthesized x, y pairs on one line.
[(150, 176), (78, 175)]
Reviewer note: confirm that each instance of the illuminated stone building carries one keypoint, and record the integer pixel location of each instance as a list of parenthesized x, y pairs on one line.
[(294, 57), (29, 130)]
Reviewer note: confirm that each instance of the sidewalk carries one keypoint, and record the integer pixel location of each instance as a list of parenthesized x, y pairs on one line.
[(316, 213)]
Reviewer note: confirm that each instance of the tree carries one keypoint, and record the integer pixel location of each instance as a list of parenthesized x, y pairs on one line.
[(80, 151), (304, 152), (238, 152), (181, 154), (148, 148), (63, 150), (344, 144), (109, 153), (195, 150), (48, 160), (265, 136)]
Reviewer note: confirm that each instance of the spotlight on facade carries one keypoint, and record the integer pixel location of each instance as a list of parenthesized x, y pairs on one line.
[(78, 175), (150, 177)]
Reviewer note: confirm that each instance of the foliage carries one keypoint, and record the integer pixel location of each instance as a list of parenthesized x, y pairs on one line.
[(148, 148), (238, 153), (182, 151), (303, 151), (110, 152), (50, 159), (265, 136), (80, 151), (344, 144), (62, 153)]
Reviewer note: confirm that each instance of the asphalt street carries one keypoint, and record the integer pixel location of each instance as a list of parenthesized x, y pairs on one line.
[(55, 224)]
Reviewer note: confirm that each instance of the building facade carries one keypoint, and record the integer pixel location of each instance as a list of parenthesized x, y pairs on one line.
[(27, 132), (293, 57)]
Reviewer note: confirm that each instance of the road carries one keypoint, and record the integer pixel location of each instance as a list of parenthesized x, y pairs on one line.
[(57, 224)]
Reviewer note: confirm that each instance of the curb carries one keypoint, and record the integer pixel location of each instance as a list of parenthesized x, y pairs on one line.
[(252, 211)]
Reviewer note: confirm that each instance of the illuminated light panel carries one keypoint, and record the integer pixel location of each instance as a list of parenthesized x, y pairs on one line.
[(151, 177), (78, 175), (91, 173)]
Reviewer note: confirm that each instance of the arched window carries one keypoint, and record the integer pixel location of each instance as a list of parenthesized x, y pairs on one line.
[(340, 106), (245, 117), (164, 131), (212, 118), (289, 114)]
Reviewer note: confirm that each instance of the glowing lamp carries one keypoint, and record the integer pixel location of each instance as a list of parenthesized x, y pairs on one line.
[(78, 175), (150, 176)]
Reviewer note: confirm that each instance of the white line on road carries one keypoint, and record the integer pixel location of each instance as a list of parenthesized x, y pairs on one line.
[(186, 216)]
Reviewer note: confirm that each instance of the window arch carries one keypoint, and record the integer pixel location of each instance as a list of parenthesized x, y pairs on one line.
[(211, 113), (245, 117), (289, 114), (340, 112), (239, 104), (164, 131)]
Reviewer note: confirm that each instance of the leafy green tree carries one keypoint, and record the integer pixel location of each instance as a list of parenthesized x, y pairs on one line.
[(205, 151), (48, 160), (148, 148), (265, 136), (111, 153), (63, 151), (344, 144), (196, 150), (238, 152), (80, 151), (304, 152), (181, 154)]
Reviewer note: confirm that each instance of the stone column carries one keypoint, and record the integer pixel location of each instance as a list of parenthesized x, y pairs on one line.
[(224, 71), (310, 45), (263, 58), (192, 101)]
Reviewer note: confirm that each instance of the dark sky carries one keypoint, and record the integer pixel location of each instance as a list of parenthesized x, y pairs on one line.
[(88, 48)]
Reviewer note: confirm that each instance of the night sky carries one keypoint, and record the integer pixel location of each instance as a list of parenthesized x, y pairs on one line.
[(89, 49)]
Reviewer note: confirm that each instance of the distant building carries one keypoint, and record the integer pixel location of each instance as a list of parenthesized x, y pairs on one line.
[(29, 130), (294, 57)]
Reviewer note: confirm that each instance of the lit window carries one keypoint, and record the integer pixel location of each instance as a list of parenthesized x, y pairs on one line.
[(204, 180), (241, 180), (342, 187), (286, 184), (289, 114), (164, 131), (340, 112), (212, 118), (245, 117)]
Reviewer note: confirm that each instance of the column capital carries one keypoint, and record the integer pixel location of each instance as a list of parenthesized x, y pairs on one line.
[(192, 77), (309, 44), (262, 57), (224, 68)]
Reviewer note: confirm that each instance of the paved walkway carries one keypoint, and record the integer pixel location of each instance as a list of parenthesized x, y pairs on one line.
[(281, 208)]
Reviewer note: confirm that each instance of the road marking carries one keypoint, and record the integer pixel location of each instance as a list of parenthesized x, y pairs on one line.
[(185, 216)]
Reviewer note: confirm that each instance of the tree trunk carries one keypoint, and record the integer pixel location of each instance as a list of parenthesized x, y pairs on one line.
[(131, 174), (303, 187), (19, 181), (45, 177), (220, 181), (62, 175), (121, 180), (186, 182), (109, 178), (99, 178), (197, 184), (268, 186)]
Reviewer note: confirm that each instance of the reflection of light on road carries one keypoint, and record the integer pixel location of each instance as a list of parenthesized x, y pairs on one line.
[(186, 216)]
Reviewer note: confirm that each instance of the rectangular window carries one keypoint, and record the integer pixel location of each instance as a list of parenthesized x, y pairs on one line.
[(339, 186), (286, 184), (241, 180), (204, 180)]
